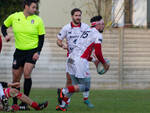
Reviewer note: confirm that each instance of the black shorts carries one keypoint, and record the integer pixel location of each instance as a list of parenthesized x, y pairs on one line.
[(21, 57)]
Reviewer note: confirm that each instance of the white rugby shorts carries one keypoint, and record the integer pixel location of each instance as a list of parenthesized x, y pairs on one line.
[(78, 67)]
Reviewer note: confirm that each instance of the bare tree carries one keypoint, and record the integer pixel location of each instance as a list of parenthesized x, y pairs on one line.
[(96, 7)]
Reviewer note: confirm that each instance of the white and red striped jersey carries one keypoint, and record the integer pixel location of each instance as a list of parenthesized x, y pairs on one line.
[(90, 39), (72, 33)]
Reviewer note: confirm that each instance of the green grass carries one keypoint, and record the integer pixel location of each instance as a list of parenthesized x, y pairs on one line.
[(105, 101)]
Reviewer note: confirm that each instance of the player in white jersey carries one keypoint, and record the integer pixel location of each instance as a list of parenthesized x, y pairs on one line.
[(71, 32), (78, 66)]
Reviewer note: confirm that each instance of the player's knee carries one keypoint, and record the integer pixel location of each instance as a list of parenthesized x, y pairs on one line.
[(68, 76), (88, 82), (83, 88), (16, 93), (16, 76), (87, 88), (15, 79), (69, 79), (13, 92), (27, 76), (19, 95)]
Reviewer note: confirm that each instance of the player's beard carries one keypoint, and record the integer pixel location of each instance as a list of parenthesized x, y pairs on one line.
[(77, 21), (101, 31)]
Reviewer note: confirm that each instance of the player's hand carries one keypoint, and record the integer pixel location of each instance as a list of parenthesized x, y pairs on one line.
[(7, 38), (106, 66), (35, 56), (16, 84), (95, 59), (96, 62), (64, 46)]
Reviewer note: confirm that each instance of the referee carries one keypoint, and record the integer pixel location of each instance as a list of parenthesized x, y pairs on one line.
[(29, 33)]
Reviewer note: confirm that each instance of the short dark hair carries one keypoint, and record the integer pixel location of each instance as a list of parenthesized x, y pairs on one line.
[(96, 18), (29, 2), (75, 10)]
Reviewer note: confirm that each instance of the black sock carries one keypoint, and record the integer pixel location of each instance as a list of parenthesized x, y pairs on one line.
[(27, 86), (15, 100)]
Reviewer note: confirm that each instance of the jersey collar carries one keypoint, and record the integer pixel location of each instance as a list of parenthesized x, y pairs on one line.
[(72, 25)]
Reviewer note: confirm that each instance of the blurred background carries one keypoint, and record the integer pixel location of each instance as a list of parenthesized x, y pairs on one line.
[(126, 42)]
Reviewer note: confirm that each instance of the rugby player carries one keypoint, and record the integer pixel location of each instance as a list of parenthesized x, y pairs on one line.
[(12, 92), (71, 32), (78, 65)]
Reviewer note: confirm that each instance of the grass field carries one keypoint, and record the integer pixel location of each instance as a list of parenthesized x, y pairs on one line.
[(105, 101)]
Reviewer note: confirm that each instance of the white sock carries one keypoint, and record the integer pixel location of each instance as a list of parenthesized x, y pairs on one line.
[(69, 100), (1, 91), (63, 104), (86, 94), (65, 91)]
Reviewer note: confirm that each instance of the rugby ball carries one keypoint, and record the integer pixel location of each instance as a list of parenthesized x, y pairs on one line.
[(100, 68)]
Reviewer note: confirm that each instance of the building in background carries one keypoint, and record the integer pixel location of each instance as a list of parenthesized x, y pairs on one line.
[(56, 13), (131, 12)]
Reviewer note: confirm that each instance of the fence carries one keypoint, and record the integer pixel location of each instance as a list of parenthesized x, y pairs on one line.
[(127, 49)]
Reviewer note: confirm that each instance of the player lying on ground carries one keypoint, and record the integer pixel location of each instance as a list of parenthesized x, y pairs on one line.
[(78, 65), (12, 92)]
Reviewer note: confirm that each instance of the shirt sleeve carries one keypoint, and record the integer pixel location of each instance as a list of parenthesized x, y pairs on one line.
[(9, 20), (41, 27), (98, 53), (98, 48), (62, 34), (99, 39)]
